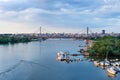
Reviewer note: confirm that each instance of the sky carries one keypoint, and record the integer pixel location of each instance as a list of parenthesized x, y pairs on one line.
[(70, 16)]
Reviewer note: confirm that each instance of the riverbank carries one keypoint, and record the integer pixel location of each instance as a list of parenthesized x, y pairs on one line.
[(9, 38), (6, 39)]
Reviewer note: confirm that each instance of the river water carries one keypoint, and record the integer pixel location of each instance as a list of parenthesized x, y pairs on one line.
[(37, 61)]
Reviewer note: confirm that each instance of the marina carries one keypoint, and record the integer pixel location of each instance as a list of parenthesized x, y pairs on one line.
[(112, 68)]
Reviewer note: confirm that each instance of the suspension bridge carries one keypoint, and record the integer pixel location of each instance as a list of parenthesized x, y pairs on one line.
[(44, 33)]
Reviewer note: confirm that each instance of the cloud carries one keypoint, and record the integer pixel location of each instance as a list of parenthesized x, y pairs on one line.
[(110, 8), (11, 27), (61, 14), (6, 0)]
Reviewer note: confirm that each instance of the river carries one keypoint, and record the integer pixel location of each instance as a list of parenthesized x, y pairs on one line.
[(37, 61)]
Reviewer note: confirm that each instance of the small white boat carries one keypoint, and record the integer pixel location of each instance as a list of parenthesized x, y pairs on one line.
[(117, 59), (111, 75), (117, 63), (104, 63), (117, 69), (59, 56), (96, 63), (111, 70), (113, 64), (59, 53)]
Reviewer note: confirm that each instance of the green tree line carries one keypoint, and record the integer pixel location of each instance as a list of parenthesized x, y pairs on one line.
[(7, 39), (106, 47)]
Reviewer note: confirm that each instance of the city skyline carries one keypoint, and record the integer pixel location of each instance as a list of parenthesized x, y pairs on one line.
[(26, 16)]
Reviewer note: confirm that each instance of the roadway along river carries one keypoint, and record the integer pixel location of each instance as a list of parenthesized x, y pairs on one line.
[(37, 61)]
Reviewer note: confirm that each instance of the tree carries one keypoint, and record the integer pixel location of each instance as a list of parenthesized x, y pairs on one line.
[(106, 47)]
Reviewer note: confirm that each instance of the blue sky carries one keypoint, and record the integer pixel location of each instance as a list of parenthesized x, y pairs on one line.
[(22, 16)]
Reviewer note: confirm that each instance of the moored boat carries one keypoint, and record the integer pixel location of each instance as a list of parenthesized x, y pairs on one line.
[(117, 63), (111, 75), (96, 63), (59, 56), (117, 69), (111, 70), (82, 50), (86, 54), (103, 63)]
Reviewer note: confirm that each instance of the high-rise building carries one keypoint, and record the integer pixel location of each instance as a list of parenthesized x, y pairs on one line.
[(87, 30), (103, 31)]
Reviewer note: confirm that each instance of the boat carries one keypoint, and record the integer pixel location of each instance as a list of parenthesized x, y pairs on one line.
[(117, 63), (111, 75), (104, 63), (113, 64), (82, 50), (59, 56), (96, 63), (111, 70), (86, 54), (117, 69), (60, 53), (68, 59), (75, 54)]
